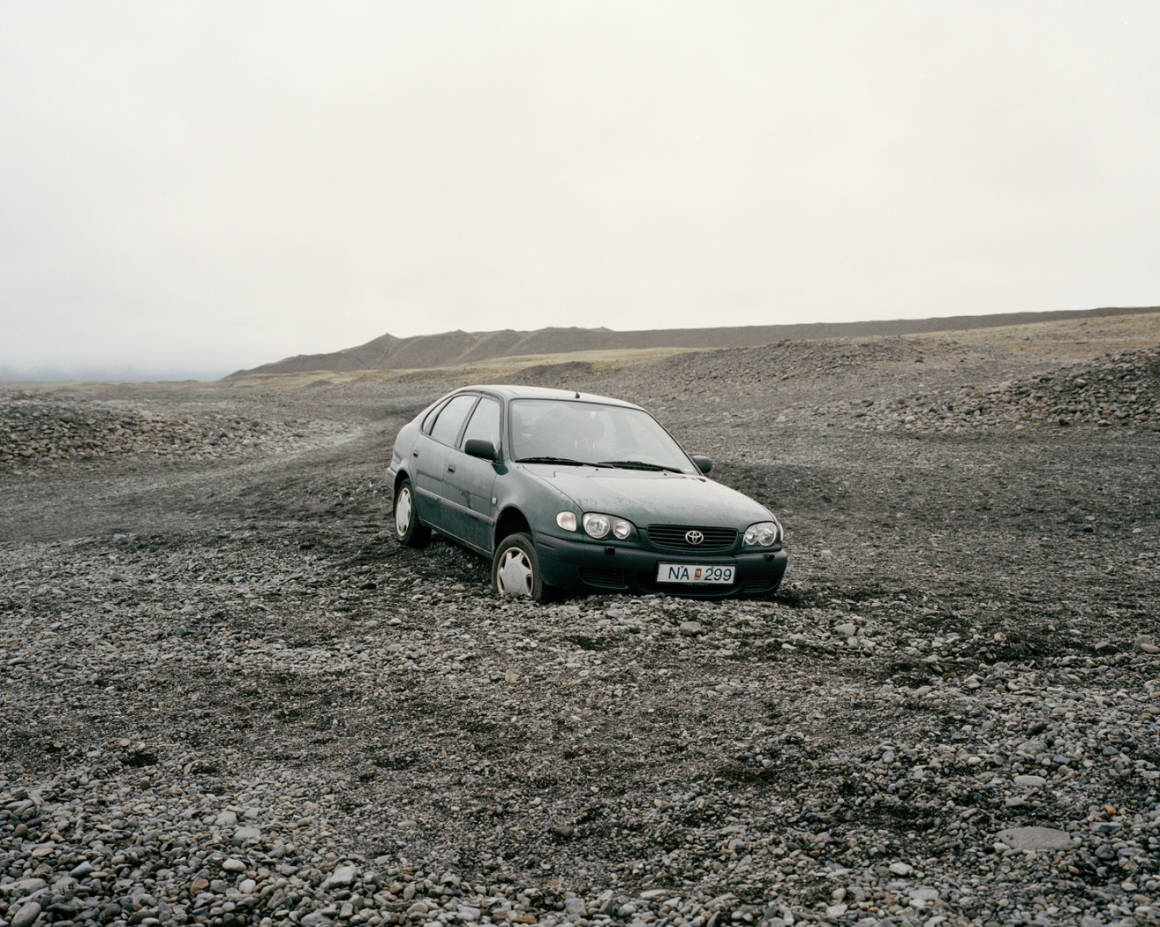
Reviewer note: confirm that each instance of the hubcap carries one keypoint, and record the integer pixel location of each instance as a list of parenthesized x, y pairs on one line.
[(514, 575), (403, 512)]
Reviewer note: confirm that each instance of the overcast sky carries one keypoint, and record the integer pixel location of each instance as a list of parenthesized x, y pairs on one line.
[(187, 188)]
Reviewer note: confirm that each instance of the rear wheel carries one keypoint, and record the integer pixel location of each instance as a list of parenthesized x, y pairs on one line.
[(515, 569), (408, 529)]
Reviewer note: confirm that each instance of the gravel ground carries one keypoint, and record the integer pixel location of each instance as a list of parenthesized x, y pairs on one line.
[(228, 697)]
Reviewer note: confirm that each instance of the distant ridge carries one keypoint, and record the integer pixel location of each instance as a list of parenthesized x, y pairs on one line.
[(451, 349)]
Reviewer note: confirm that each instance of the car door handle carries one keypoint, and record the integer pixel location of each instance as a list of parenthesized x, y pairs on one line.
[(451, 468)]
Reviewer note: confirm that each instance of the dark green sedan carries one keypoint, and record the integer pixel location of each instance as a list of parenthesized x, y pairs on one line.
[(569, 491)]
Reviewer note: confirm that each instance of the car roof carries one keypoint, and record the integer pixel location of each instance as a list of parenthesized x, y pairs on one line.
[(541, 392)]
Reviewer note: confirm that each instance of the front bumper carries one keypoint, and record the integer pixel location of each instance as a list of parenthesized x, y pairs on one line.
[(596, 567)]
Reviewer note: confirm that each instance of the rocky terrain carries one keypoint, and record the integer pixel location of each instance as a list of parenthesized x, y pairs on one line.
[(44, 430), (1123, 389), (228, 697)]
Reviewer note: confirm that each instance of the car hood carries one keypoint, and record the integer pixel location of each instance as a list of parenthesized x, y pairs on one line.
[(645, 497)]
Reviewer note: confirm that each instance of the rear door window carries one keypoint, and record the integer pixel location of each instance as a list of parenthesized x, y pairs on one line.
[(429, 420), (451, 418)]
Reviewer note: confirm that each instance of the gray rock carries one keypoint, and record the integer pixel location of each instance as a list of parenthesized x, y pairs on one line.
[(1035, 838), (1030, 782), (26, 915), (343, 875)]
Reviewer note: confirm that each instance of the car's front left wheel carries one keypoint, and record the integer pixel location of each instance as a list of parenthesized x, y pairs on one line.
[(515, 569)]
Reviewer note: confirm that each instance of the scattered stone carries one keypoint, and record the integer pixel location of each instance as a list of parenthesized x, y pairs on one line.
[(26, 914), (343, 875), (1030, 782), (1035, 838)]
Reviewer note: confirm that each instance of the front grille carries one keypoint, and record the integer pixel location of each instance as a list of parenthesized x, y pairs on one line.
[(605, 579), (672, 537)]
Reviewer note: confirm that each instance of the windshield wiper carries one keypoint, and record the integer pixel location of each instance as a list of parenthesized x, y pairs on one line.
[(638, 465), (566, 461)]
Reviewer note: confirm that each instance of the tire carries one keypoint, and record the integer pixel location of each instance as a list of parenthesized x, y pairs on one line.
[(515, 569), (409, 530)]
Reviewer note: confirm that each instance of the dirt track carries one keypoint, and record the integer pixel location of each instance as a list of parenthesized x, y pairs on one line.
[(246, 633)]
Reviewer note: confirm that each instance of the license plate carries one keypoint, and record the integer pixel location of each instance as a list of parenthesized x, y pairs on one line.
[(694, 573)]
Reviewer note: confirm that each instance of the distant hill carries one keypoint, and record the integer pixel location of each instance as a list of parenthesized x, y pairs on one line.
[(451, 349)]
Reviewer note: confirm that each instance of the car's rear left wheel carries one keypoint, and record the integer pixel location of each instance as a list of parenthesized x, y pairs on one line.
[(515, 569), (408, 529)]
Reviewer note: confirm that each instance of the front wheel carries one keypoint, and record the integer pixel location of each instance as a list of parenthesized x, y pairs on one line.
[(515, 569), (408, 529)]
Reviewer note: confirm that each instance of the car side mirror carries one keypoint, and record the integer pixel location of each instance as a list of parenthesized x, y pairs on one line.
[(704, 464), (477, 447)]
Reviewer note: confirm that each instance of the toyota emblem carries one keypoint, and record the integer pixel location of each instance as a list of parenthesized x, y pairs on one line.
[(694, 537)]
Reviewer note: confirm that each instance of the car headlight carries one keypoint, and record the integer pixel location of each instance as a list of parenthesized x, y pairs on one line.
[(763, 534), (601, 526)]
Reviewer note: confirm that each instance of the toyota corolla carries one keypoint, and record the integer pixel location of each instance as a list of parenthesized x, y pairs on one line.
[(562, 490)]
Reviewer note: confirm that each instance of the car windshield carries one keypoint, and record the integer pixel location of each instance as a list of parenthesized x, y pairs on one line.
[(592, 434)]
